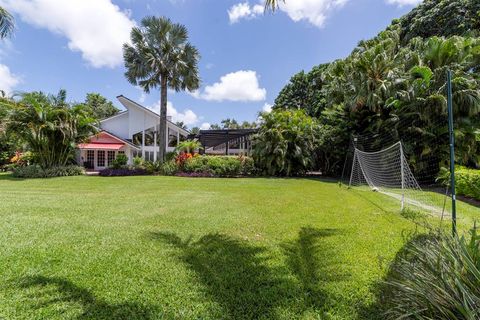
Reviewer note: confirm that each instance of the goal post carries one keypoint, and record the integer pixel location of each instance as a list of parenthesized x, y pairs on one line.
[(387, 171)]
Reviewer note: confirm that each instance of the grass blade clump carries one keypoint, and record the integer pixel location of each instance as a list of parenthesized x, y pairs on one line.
[(436, 278)]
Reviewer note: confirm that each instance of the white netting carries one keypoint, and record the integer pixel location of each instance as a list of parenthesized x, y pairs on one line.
[(387, 171)]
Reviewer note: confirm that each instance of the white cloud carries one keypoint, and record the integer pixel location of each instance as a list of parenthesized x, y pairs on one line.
[(242, 85), (402, 3), (205, 126), (244, 11), (95, 28), (267, 107), (188, 117), (8, 80), (312, 11)]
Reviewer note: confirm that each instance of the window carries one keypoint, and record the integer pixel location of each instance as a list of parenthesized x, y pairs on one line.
[(149, 139), (121, 152), (89, 162), (172, 138), (110, 157), (137, 139), (100, 158)]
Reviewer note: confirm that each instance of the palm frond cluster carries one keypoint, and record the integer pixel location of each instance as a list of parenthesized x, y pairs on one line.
[(49, 126)]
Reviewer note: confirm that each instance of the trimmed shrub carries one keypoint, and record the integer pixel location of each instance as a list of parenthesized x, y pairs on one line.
[(220, 166), (435, 277), (169, 168), (110, 172), (120, 161), (467, 182), (35, 171)]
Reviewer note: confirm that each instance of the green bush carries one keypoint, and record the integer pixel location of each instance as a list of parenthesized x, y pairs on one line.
[(169, 168), (138, 163), (286, 142), (435, 277), (152, 167), (221, 166), (467, 182), (35, 171), (120, 161)]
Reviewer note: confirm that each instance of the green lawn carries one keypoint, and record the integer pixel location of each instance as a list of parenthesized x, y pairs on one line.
[(179, 248)]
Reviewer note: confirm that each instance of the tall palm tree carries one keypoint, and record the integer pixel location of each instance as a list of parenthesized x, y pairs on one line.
[(6, 23), (161, 56), (272, 4)]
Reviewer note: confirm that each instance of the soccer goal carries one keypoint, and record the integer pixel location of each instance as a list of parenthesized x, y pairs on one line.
[(387, 172)]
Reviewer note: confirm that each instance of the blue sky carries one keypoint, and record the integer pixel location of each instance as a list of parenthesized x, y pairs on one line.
[(247, 56)]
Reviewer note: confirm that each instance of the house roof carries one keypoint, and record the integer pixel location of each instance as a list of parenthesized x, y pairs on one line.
[(123, 141), (148, 111)]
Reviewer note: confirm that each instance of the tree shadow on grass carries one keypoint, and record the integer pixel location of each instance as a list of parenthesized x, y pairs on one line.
[(315, 264), (51, 292), (384, 293), (236, 274), (242, 279)]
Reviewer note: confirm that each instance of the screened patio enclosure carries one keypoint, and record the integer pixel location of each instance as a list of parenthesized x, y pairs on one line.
[(226, 141)]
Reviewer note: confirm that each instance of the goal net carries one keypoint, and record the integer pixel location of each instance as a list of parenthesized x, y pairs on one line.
[(387, 171)]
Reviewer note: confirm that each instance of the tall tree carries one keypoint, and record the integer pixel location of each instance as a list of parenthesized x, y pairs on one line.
[(161, 56), (99, 107), (7, 23), (272, 4)]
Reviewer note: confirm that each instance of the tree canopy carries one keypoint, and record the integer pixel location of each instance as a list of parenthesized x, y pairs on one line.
[(393, 86), (99, 107), (161, 56)]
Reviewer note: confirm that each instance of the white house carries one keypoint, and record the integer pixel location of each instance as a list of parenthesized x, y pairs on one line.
[(132, 132)]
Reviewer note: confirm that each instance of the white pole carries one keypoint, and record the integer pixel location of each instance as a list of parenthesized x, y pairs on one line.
[(402, 174), (353, 166)]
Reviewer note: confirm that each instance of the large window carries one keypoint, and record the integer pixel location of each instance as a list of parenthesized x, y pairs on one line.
[(90, 159), (172, 138), (137, 139), (110, 157), (100, 158), (149, 137), (149, 156)]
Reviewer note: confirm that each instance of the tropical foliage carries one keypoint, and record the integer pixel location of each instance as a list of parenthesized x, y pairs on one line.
[(441, 17), (395, 91), (99, 107), (188, 146), (49, 126), (219, 166), (285, 142), (161, 56), (436, 277), (7, 23)]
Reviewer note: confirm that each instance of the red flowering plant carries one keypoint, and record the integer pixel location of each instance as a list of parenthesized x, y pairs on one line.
[(182, 157), (21, 159)]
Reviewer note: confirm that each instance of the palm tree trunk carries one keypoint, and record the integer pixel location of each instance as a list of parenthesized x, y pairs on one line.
[(162, 141)]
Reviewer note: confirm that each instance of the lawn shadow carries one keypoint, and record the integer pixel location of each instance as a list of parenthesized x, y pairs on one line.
[(315, 263), (384, 292), (50, 291), (238, 275)]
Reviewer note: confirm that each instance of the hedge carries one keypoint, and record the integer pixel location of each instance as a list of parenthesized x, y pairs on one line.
[(110, 172), (35, 171), (219, 166), (467, 182)]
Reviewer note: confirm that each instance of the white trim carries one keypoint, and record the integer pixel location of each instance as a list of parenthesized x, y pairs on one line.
[(139, 106), (121, 113)]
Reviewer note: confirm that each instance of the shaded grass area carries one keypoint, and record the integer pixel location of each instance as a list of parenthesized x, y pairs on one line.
[(179, 248)]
